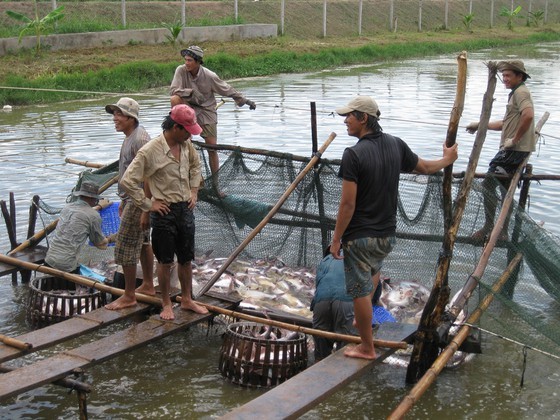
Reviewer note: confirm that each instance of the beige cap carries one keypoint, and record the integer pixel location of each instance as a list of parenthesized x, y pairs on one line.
[(514, 65), (362, 104), (127, 106)]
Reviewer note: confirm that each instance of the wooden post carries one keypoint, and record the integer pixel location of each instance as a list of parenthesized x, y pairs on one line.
[(426, 344)]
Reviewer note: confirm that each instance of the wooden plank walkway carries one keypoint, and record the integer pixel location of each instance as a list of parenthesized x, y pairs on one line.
[(304, 391), (48, 370), (65, 330)]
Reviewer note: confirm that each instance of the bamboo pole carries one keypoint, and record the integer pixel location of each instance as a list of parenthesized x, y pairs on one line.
[(38, 237), (473, 279), (85, 163), (269, 216), (429, 377), (75, 278), (15, 343), (299, 328)]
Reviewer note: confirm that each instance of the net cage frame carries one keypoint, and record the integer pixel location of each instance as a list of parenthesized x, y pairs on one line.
[(302, 228)]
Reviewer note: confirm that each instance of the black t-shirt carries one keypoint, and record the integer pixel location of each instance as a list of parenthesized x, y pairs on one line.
[(375, 164)]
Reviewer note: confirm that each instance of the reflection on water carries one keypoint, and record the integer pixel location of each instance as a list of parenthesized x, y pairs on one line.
[(178, 377)]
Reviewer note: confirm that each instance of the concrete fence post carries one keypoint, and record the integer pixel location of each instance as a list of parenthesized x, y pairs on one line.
[(419, 15), (123, 13)]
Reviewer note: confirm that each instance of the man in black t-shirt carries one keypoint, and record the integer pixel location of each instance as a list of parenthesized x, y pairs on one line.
[(366, 221)]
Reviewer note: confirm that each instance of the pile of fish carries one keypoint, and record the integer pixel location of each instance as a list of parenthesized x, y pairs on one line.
[(267, 284), (405, 300)]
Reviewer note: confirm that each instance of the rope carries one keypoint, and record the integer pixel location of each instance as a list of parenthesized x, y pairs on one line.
[(526, 346), (89, 92), (49, 167), (328, 113)]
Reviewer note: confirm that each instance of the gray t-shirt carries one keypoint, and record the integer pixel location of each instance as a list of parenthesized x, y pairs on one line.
[(78, 222), (131, 144)]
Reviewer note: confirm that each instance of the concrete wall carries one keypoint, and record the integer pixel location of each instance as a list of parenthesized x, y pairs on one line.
[(188, 35)]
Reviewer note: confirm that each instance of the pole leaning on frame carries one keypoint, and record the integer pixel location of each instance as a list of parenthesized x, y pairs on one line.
[(269, 216)]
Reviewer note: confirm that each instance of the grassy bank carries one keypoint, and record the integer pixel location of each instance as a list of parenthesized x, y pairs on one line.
[(137, 68)]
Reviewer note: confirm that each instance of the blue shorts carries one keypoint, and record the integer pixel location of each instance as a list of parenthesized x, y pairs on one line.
[(363, 258), (173, 234)]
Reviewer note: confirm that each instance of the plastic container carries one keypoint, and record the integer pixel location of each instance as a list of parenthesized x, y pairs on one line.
[(110, 220), (381, 315)]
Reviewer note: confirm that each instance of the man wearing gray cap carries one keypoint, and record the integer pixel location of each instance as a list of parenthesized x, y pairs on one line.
[(518, 139), (133, 237), (195, 85), (367, 214), (77, 222)]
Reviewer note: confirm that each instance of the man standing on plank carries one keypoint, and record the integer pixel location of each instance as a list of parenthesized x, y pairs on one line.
[(171, 167)]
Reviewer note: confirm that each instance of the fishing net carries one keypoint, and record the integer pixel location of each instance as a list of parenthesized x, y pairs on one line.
[(251, 182)]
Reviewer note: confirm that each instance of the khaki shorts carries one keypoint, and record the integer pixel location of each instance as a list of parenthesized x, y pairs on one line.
[(363, 258), (130, 237), (209, 130)]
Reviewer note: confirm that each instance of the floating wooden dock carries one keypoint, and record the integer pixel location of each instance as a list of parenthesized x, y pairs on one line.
[(64, 363), (304, 391)]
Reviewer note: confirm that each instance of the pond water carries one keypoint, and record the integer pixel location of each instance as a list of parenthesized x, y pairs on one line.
[(178, 377)]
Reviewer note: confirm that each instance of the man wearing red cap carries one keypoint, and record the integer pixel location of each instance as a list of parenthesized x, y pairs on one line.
[(171, 167), (195, 85), (518, 139)]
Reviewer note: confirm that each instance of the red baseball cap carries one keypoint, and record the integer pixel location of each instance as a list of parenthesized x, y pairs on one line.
[(185, 116)]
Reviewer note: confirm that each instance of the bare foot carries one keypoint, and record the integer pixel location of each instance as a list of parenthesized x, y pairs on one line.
[(167, 313), (193, 306), (121, 303), (146, 290), (359, 352)]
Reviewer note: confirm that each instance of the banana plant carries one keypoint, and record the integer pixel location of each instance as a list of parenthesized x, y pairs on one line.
[(38, 26), (511, 15)]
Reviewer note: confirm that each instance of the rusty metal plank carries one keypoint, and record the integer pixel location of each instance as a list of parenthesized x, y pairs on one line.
[(48, 370), (304, 391), (65, 330)]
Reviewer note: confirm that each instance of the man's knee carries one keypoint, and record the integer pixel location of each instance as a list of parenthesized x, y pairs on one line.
[(176, 100)]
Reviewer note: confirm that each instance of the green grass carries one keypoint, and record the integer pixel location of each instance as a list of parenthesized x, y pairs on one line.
[(143, 75)]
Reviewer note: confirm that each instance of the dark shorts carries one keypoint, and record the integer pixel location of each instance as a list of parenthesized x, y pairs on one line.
[(173, 234), (506, 162), (363, 258)]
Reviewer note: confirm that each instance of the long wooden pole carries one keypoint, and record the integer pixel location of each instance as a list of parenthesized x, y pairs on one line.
[(426, 346), (38, 237), (299, 328), (84, 281), (75, 278), (267, 218), (431, 374), (13, 342), (85, 163)]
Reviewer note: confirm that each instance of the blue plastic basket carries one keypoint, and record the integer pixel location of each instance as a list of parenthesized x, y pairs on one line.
[(110, 220), (381, 315)]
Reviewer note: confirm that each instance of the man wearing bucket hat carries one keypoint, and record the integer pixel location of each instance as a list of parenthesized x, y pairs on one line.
[(171, 167), (366, 221), (132, 241), (518, 139), (195, 85), (78, 221)]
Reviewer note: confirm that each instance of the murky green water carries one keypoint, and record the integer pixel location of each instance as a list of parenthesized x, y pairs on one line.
[(178, 377)]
